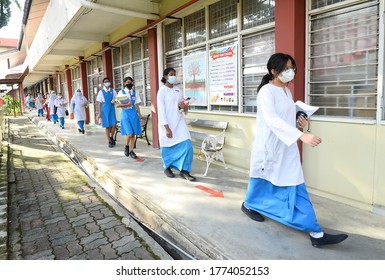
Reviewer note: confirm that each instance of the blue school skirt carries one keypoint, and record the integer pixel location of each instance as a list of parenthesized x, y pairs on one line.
[(179, 156), (289, 205)]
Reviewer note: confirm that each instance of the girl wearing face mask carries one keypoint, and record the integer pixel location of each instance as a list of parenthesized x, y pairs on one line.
[(130, 116), (276, 185), (174, 137), (61, 105), (106, 98), (78, 107)]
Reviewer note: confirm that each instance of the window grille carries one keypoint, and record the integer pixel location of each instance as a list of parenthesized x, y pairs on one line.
[(175, 61), (316, 4), (173, 36), (118, 80), (195, 28), (223, 18), (126, 57), (145, 46), (256, 51), (147, 86), (116, 56), (136, 49), (343, 61), (258, 12)]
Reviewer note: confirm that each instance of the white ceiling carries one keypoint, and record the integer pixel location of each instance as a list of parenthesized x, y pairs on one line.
[(92, 26)]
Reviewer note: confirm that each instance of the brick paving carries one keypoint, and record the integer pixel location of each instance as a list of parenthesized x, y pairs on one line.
[(54, 213)]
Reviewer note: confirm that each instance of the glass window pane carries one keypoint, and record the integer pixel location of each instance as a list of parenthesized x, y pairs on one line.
[(195, 28), (138, 79), (126, 53), (175, 61), (116, 56), (147, 85), (256, 51), (136, 49), (173, 36), (258, 12), (223, 18), (344, 61), (315, 4), (145, 46)]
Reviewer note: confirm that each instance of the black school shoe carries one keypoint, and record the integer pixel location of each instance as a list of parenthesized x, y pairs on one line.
[(185, 175), (133, 155), (328, 239), (113, 142), (110, 145), (127, 150), (254, 215), (169, 173)]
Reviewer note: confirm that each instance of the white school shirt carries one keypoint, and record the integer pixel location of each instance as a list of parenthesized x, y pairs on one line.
[(51, 103), (168, 100), (275, 155), (39, 102), (100, 96), (61, 105), (78, 106)]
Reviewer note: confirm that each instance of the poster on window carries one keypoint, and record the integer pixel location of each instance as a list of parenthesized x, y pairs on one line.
[(194, 75), (223, 71)]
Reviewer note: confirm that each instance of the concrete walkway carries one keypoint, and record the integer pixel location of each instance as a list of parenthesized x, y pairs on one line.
[(56, 212), (206, 226)]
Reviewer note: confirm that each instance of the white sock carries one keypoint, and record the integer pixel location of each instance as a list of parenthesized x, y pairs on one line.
[(316, 234)]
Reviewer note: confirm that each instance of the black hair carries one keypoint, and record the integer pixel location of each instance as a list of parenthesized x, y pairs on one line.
[(278, 62), (105, 78), (165, 73), (128, 78)]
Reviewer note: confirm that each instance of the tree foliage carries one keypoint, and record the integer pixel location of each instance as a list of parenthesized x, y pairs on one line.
[(5, 11), (11, 106)]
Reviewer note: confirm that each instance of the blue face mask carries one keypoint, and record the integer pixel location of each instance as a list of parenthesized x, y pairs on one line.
[(171, 79), (107, 84)]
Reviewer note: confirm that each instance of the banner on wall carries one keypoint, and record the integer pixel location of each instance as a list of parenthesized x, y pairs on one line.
[(194, 75), (223, 72)]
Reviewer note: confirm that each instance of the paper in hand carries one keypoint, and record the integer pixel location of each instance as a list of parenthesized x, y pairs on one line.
[(308, 109)]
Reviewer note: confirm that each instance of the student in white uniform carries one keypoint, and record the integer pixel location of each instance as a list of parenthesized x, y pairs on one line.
[(39, 105), (61, 105), (78, 106), (276, 186), (174, 138), (52, 107)]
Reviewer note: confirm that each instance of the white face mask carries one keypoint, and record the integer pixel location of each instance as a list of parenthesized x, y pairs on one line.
[(171, 79), (287, 75), (78, 93)]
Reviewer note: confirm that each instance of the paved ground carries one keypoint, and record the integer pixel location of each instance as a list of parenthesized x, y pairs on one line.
[(55, 211), (206, 227)]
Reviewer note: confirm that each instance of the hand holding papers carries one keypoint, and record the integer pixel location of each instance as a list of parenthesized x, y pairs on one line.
[(123, 98), (187, 102), (305, 109)]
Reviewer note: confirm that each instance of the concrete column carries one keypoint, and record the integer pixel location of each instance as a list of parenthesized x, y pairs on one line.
[(154, 82), (69, 84), (107, 63), (290, 34), (84, 84)]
